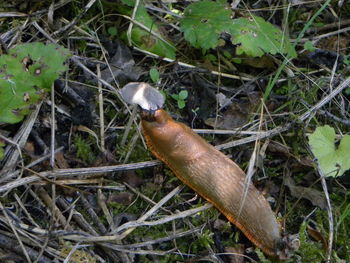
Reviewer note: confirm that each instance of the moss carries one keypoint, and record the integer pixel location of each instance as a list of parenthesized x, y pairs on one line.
[(116, 208), (341, 213), (138, 153), (78, 256), (310, 251), (83, 149), (261, 256), (204, 241)]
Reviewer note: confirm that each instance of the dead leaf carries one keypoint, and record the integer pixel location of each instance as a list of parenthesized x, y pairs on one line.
[(61, 161), (279, 148), (317, 235), (265, 62), (235, 116), (123, 198), (314, 196), (30, 148), (237, 113), (121, 66), (132, 179), (335, 43)]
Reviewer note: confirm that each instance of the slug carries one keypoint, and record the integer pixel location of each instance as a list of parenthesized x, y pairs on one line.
[(216, 178)]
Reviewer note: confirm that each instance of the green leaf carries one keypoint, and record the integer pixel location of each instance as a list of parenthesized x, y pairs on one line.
[(26, 74), (203, 23), (309, 46), (181, 104), (332, 160), (175, 96), (183, 94), (154, 74), (180, 98), (256, 37)]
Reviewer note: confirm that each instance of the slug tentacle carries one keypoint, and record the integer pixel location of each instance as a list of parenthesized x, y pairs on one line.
[(216, 178)]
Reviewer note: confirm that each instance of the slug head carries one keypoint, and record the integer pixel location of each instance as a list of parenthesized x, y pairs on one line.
[(144, 95), (287, 246)]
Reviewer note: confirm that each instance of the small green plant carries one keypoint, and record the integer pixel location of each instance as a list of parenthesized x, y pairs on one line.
[(333, 161), (344, 215), (252, 34), (84, 151), (154, 74), (181, 98), (26, 75), (283, 90), (205, 239), (342, 230)]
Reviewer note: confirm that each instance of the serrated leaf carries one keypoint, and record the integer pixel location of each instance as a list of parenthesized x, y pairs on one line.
[(333, 161), (256, 37), (26, 73), (203, 23)]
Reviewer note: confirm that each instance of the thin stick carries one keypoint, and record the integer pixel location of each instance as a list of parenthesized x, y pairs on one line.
[(133, 224), (53, 127), (101, 111), (65, 173), (128, 126), (15, 232), (147, 214), (28, 215), (21, 138), (330, 215), (37, 161), (325, 100), (128, 33), (280, 129)]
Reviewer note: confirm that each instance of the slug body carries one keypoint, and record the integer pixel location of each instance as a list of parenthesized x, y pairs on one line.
[(213, 176)]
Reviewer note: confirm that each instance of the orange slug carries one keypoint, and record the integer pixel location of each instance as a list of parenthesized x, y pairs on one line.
[(208, 172), (215, 177)]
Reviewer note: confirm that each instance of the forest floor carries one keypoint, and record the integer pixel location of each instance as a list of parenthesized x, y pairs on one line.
[(77, 182)]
